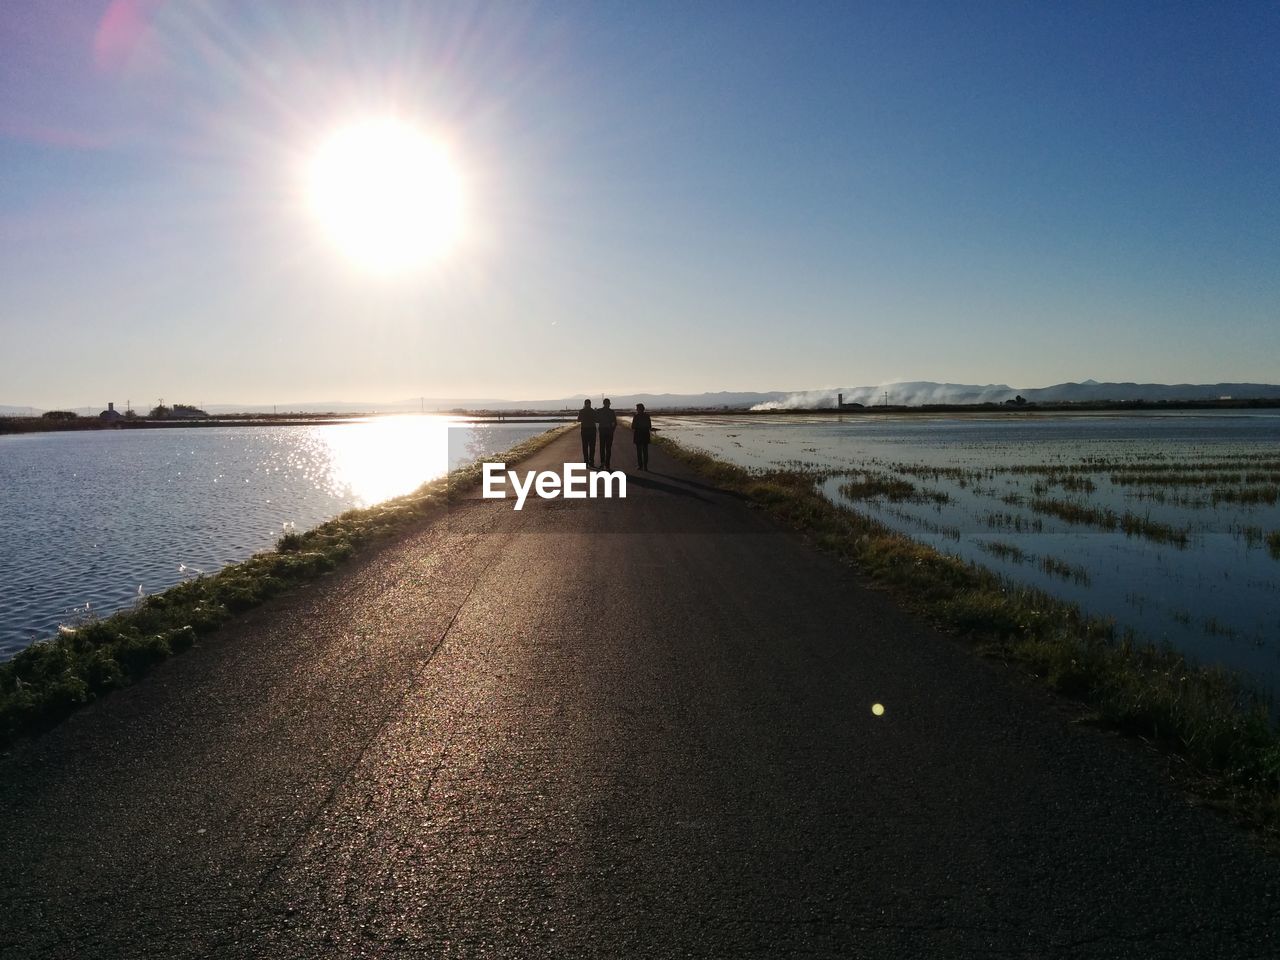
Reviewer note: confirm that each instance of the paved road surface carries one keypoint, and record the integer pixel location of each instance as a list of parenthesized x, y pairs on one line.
[(634, 728)]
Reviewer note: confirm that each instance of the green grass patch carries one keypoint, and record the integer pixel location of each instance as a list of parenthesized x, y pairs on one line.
[(1220, 729), (49, 679)]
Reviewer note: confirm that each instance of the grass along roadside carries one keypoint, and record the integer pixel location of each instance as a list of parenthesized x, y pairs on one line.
[(1223, 735), (51, 678)]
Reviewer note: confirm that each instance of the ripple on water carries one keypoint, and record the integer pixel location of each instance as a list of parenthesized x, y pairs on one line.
[(87, 518)]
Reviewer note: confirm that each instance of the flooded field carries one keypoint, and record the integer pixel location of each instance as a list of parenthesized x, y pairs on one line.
[(1167, 524)]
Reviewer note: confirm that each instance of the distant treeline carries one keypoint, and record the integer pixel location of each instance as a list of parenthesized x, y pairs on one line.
[(62, 421)]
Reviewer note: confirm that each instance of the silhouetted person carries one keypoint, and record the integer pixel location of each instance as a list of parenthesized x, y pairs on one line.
[(607, 420), (641, 428), (587, 417)]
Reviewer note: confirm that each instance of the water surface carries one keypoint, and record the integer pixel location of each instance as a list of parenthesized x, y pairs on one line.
[(1214, 595), (91, 520)]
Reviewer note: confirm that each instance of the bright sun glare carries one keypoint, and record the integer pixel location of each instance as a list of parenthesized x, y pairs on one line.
[(386, 194)]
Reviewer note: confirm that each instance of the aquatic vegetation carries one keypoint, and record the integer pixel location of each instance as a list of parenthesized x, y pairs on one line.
[(1214, 627), (1126, 485), (1067, 571), (1073, 512), (1273, 543), (1130, 523), (1136, 526), (1260, 462), (1006, 551), (1268, 495), (1155, 496), (1078, 483), (958, 475), (1014, 521), (871, 486), (1057, 470), (1172, 479), (928, 526), (1253, 536)]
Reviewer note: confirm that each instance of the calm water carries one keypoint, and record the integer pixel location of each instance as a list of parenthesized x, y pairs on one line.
[(1216, 596), (90, 519)]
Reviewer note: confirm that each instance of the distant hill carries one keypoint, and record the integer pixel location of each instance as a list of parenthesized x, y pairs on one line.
[(1090, 390)]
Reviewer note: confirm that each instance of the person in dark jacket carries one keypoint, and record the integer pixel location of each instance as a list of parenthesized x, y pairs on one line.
[(641, 428), (587, 417), (607, 421)]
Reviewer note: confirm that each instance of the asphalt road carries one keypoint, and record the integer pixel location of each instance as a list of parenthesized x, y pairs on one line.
[(625, 728)]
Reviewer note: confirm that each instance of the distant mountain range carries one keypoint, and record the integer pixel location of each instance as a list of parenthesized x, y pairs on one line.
[(913, 393)]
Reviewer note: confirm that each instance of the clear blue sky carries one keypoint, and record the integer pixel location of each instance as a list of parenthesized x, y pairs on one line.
[(676, 196)]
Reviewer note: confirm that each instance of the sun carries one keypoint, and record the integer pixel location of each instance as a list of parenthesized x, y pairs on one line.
[(386, 194)]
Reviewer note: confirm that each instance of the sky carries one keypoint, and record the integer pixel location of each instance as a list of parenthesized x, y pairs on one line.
[(656, 197)]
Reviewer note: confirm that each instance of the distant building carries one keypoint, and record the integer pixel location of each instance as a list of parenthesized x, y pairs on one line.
[(111, 413), (841, 405)]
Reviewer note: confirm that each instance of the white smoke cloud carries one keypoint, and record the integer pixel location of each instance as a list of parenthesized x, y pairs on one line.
[(804, 400)]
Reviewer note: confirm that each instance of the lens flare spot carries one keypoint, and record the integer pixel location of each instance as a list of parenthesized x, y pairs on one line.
[(878, 709)]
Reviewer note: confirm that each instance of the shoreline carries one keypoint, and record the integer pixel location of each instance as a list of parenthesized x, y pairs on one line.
[(13, 425)]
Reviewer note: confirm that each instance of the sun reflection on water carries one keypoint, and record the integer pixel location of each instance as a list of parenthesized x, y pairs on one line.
[(384, 458)]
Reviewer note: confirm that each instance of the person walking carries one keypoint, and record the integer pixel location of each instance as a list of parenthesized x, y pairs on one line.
[(587, 417), (607, 421), (641, 428)]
